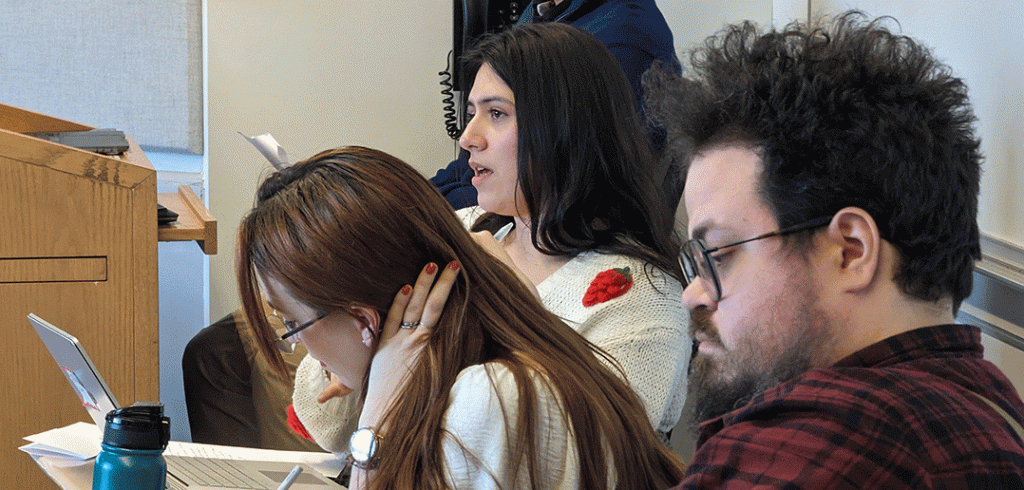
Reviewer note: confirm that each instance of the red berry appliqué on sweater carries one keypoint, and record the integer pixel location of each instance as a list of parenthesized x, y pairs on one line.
[(608, 284), (296, 425)]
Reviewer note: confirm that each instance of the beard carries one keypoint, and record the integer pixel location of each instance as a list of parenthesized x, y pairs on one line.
[(724, 383)]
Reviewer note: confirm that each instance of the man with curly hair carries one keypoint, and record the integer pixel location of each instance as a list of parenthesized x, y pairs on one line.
[(832, 195)]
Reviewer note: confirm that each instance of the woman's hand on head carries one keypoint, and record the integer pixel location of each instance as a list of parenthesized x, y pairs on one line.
[(413, 315)]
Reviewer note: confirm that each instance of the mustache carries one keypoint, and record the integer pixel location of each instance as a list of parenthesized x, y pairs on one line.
[(700, 322)]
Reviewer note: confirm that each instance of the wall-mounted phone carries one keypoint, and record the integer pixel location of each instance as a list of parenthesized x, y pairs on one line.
[(470, 20)]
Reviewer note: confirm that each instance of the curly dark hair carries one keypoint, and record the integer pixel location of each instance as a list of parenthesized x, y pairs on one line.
[(842, 113)]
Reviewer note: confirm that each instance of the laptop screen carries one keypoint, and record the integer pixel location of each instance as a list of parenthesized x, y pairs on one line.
[(76, 366)]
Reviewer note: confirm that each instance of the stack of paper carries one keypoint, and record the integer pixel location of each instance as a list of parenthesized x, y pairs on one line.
[(67, 454), (78, 442)]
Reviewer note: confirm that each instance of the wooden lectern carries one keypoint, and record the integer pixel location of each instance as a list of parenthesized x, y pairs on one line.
[(78, 247)]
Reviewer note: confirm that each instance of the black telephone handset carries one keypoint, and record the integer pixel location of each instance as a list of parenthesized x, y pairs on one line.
[(470, 20)]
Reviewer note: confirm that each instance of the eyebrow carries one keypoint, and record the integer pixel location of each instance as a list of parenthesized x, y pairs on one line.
[(491, 99), (701, 231)]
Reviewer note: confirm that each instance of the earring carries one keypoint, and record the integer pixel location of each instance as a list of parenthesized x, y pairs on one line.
[(367, 337)]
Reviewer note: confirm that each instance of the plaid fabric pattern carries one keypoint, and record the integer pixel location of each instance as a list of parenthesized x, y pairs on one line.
[(896, 415)]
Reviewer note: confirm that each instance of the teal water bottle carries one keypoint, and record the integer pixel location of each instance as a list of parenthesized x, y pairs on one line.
[(133, 449)]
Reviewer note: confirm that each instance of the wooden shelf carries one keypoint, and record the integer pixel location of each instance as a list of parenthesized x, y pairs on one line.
[(194, 221)]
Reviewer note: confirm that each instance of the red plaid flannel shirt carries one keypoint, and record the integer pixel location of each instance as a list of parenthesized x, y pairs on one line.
[(896, 415)]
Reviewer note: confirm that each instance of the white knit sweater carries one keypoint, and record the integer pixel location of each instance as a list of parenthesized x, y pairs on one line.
[(646, 330), (330, 424)]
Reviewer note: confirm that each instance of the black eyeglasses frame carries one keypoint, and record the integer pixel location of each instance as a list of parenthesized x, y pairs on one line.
[(691, 268), (292, 331)]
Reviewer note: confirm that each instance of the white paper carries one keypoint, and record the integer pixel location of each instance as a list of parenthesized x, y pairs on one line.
[(268, 146), (327, 464), (79, 441)]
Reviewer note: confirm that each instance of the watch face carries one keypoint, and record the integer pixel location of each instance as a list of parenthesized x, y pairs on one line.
[(363, 445)]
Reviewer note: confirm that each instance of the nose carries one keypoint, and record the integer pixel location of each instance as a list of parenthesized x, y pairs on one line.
[(470, 139), (697, 294)]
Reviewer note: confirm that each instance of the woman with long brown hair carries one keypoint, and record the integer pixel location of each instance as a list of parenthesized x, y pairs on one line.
[(487, 389)]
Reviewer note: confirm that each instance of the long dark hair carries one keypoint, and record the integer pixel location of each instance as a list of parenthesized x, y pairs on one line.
[(585, 165), (350, 227)]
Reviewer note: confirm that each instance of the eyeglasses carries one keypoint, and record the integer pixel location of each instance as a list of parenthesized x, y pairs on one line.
[(704, 267), (292, 330)]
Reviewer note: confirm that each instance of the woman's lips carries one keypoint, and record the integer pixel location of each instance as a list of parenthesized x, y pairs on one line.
[(480, 173)]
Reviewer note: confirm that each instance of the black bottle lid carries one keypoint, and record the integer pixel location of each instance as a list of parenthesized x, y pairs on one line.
[(140, 426)]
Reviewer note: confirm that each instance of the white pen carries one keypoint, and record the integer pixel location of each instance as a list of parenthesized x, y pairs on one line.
[(288, 480), (498, 235)]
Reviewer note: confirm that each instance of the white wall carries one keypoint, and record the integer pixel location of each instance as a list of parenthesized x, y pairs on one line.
[(182, 274), (181, 310), (983, 42), (317, 75), (692, 21)]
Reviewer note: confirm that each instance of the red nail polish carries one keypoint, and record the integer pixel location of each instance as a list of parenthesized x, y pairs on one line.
[(431, 268), (454, 265), (406, 289)]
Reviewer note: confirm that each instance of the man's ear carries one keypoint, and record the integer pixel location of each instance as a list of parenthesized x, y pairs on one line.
[(854, 236), (369, 322)]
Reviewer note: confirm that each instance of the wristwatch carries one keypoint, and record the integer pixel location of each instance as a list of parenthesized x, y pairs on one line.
[(362, 447)]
